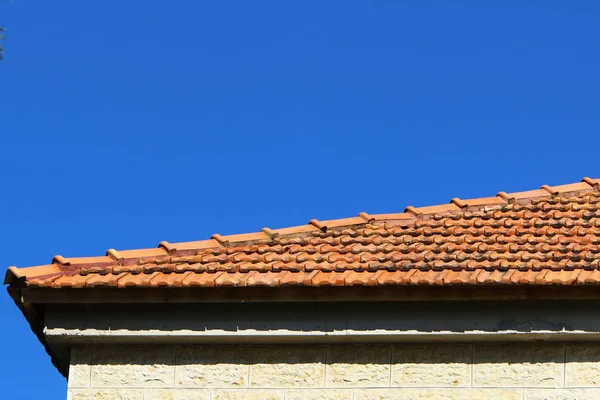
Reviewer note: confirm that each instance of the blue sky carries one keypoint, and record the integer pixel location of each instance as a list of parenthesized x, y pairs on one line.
[(126, 123)]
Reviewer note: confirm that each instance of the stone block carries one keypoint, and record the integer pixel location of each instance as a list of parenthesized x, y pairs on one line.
[(287, 366), (583, 365), (431, 365), (80, 367), (518, 365), (105, 394), (562, 394), (212, 366), (247, 395), (176, 394), (358, 366), (323, 394), (140, 366), (437, 394)]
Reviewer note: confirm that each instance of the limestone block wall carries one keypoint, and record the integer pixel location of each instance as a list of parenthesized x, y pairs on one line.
[(499, 371)]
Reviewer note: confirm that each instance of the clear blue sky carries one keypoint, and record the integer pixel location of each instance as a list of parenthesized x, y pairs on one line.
[(124, 123)]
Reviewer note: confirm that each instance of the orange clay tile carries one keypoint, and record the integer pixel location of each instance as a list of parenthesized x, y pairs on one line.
[(264, 279), (529, 277), (41, 272), (571, 187), (108, 280), (203, 279), (383, 217), (77, 281), (317, 224), (234, 279), (362, 278), (530, 194), (168, 280), (294, 230), (330, 278), (432, 209), (548, 236), (297, 278), (101, 261), (485, 201), (591, 182), (494, 277), (391, 277), (589, 277), (194, 246), (136, 280), (561, 277), (337, 223), (44, 281), (139, 253), (427, 277), (462, 277), (244, 237)]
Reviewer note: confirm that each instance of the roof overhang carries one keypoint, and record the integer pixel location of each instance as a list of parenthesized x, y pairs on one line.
[(34, 303), (66, 325), (527, 247)]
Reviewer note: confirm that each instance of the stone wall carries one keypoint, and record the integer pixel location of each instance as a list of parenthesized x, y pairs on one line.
[(515, 371)]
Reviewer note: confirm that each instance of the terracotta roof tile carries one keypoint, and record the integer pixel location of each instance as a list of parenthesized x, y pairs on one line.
[(233, 278), (135, 254), (189, 247), (337, 223), (588, 277), (592, 182), (168, 279), (569, 188), (205, 279), (243, 238), (548, 236), (392, 217), (76, 281), (297, 278), (432, 209), (102, 260), (561, 277), (484, 201), (294, 230), (45, 277), (136, 280), (109, 280), (41, 272)]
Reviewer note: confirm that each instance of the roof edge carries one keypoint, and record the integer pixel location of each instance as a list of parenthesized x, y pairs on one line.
[(299, 294), (12, 274), (35, 320), (72, 266)]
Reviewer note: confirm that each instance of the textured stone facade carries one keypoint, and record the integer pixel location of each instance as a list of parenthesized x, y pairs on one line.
[(508, 371)]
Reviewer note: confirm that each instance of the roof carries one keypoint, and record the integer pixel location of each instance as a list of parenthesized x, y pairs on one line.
[(539, 244), (549, 236)]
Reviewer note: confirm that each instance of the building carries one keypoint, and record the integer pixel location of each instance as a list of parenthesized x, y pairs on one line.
[(489, 298)]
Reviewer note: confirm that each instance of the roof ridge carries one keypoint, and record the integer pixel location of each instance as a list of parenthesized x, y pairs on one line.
[(410, 214)]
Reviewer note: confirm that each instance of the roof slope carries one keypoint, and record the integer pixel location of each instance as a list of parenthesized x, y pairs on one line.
[(540, 237)]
